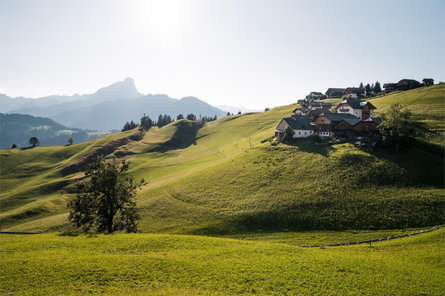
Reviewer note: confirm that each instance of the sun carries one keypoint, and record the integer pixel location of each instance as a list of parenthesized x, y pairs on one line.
[(165, 14)]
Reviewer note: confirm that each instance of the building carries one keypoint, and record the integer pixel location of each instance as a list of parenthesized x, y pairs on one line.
[(320, 105), (355, 92), (389, 87), (428, 81), (350, 128), (300, 111), (335, 92), (315, 95), (325, 124), (406, 84), (360, 109), (314, 113), (300, 125)]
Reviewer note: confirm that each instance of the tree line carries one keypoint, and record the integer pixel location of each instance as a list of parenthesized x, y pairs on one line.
[(146, 122)]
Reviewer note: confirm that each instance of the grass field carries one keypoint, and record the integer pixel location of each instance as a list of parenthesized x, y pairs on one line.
[(153, 264), (232, 179)]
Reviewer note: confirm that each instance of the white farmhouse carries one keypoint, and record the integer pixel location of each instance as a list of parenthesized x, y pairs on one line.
[(300, 125), (362, 110)]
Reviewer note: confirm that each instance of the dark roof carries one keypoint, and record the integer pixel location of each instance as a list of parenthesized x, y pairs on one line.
[(302, 109), (356, 104), (352, 121), (316, 93), (299, 122), (320, 111), (356, 90), (428, 80), (319, 104), (409, 81), (339, 116), (335, 90)]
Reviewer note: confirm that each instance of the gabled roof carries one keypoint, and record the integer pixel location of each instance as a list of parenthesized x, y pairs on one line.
[(340, 116), (299, 122), (428, 80), (302, 109), (320, 111), (377, 120), (316, 93), (357, 90), (351, 121), (355, 104), (319, 104)]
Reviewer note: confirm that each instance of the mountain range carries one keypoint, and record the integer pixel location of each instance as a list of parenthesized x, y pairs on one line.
[(106, 109)]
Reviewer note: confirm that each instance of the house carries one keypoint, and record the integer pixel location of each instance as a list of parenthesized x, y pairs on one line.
[(320, 105), (335, 92), (389, 87), (300, 111), (428, 81), (406, 84), (300, 125), (355, 92), (350, 128), (314, 113), (325, 124), (315, 95), (361, 109)]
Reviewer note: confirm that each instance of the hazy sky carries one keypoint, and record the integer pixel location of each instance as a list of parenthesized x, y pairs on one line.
[(243, 53)]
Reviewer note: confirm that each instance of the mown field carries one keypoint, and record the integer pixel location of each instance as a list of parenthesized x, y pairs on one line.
[(155, 264)]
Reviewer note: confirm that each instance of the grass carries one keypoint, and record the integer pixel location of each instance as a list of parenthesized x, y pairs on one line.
[(153, 264), (231, 180)]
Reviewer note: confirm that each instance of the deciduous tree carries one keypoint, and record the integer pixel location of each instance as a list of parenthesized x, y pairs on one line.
[(105, 201)]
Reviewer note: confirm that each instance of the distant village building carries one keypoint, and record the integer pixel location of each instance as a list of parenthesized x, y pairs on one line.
[(355, 92), (320, 105), (300, 125), (428, 81), (300, 111), (315, 95), (406, 84), (335, 92), (360, 109), (389, 87)]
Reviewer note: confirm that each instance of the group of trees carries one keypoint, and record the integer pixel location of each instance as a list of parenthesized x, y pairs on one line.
[(163, 120), (371, 90)]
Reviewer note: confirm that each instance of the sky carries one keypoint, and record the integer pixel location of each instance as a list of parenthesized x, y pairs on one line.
[(253, 54)]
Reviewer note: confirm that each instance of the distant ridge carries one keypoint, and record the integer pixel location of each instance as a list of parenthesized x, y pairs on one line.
[(108, 108)]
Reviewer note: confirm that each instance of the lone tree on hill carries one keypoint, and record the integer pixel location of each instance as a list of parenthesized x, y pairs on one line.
[(34, 141), (13, 146), (70, 141), (146, 122), (398, 128), (104, 203)]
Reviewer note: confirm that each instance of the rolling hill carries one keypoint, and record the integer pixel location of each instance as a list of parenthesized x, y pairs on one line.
[(19, 128), (229, 177)]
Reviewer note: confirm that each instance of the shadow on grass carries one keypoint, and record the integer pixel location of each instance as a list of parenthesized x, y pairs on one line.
[(309, 146)]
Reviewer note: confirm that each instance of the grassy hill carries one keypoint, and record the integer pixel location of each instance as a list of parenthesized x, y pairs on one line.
[(227, 177), (159, 264)]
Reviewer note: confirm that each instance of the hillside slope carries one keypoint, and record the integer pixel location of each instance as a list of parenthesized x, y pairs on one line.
[(230, 178)]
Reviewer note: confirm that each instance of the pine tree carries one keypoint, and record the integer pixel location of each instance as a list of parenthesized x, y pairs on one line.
[(377, 87)]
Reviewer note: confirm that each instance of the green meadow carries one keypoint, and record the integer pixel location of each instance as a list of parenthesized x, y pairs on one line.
[(226, 209)]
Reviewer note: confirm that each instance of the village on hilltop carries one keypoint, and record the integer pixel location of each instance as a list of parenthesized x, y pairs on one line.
[(350, 119)]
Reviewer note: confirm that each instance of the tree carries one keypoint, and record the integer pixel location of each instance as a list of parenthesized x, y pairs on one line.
[(70, 141), (191, 116), (267, 109), (179, 117), (228, 114), (377, 87), (361, 85), (146, 122), (34, 141), (239, 112), (398, 127), (129, 126), (288, 134), (13, 146), (368, 90), (104, 203)]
